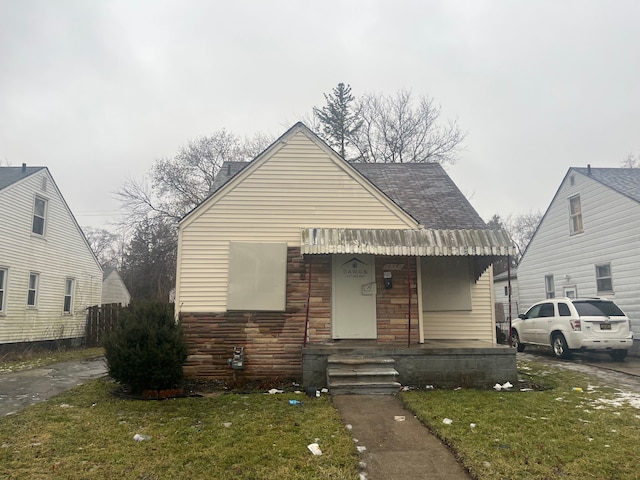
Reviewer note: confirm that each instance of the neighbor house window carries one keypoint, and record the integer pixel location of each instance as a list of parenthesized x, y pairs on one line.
[(549, 286), (575, 215), (39, 212), (603, 279), (32, 294), (68, 295), (3, 288)]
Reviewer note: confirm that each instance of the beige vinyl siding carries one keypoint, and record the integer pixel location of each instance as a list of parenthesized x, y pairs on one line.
[(60, 254), (299, 184), (478, 324)]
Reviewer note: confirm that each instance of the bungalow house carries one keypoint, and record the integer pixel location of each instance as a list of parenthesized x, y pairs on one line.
[(113, 288), (48, 273), (301, 265), (586, 244)]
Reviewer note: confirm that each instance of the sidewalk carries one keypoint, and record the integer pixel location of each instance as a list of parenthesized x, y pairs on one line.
[(395, 449), (24, 388)]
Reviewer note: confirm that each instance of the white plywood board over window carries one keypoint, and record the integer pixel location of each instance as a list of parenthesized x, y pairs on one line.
[(257, 276)]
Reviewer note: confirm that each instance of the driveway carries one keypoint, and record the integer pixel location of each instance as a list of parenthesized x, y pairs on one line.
[(623, 375), (24, 388)]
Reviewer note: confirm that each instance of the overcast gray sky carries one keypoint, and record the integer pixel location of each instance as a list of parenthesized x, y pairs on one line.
[(98, 90)]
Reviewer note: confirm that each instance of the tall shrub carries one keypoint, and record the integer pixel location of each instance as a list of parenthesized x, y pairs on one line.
[(147, 349)]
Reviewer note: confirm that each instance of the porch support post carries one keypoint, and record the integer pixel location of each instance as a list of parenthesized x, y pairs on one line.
[(420, 300), (306, 320), (409, 293)]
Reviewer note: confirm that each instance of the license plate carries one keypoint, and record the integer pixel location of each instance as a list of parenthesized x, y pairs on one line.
[(605, 326)]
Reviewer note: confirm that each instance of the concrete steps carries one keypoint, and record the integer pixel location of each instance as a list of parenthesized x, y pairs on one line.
[(358, 374)]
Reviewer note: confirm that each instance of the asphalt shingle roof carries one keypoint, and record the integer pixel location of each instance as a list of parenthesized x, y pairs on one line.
[(423, 190), (10, 175), (624, 180)]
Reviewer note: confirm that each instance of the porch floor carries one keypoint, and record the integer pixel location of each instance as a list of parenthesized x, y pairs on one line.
[(444, 363)]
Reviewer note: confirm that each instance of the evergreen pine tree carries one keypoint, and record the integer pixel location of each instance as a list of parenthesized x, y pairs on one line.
[(339, 123)]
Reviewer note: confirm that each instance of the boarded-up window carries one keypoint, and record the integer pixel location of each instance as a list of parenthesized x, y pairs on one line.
[(257, 276), (446, 284)]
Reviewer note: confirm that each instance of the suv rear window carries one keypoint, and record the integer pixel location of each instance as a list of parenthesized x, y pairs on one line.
[(597, 308)]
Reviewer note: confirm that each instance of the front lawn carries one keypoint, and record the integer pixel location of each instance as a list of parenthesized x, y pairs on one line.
[(89, 433), (575, 428)]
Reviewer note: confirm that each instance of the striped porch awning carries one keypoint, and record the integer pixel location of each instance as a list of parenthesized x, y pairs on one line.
[(406, 242)]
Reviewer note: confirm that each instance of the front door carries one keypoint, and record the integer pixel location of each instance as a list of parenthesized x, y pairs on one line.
[(354, 296)]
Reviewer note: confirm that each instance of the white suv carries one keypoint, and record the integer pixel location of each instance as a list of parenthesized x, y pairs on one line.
[(568, 324)]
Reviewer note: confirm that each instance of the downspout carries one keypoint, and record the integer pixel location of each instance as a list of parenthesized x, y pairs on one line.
[(409, 293), (306, 321)]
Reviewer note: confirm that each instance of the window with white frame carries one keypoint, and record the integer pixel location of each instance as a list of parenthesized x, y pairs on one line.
[(575, 215), (39, 216), (32, 293), (604, 283), (3, 288), (68, 295), (549, 286)]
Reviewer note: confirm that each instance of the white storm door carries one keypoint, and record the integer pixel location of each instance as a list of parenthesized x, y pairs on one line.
[(354, 297)]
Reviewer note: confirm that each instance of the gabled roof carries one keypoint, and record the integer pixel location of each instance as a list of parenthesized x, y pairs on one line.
[(623, 180), (11, 175), (423, 190)]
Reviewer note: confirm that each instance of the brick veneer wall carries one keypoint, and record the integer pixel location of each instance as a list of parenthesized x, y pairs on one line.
[(273, 341)]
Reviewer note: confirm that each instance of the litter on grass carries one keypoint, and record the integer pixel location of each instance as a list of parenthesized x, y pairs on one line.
[(314, 448), (504, 386), (447, 421), (361, 448), (141, 438), (295, 402), (399, 418), (274, 391)]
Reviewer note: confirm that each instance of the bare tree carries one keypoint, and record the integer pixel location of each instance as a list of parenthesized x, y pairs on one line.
[(632, 161), (107, 246), (397, 129), (176, 185), (522, 228)]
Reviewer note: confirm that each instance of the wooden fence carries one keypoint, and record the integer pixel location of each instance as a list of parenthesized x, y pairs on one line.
[(101, 319)]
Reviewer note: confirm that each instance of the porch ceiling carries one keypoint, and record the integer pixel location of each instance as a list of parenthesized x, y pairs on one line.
[(419, 242)]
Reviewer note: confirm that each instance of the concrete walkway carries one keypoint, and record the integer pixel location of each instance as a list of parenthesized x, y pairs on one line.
[(395, 449), (24, 388)]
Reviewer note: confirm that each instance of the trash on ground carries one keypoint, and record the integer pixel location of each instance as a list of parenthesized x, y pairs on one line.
[(227, 424), (65, 405), (325, 390), (295, 402), (314, 448), (275, 390), (447, 421), (348, 426), (399, 418), (361, 448), (472, 425), (576, 389), (429, 387), (141, 438), (504, 386)]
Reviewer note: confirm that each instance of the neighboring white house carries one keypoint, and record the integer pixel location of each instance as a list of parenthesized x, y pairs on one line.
[(48, 273), (113, 288), (588, 242)]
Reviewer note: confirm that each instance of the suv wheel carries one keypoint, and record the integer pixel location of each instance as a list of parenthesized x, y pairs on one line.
[(618, 355), (559, 346), (515, 341)]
